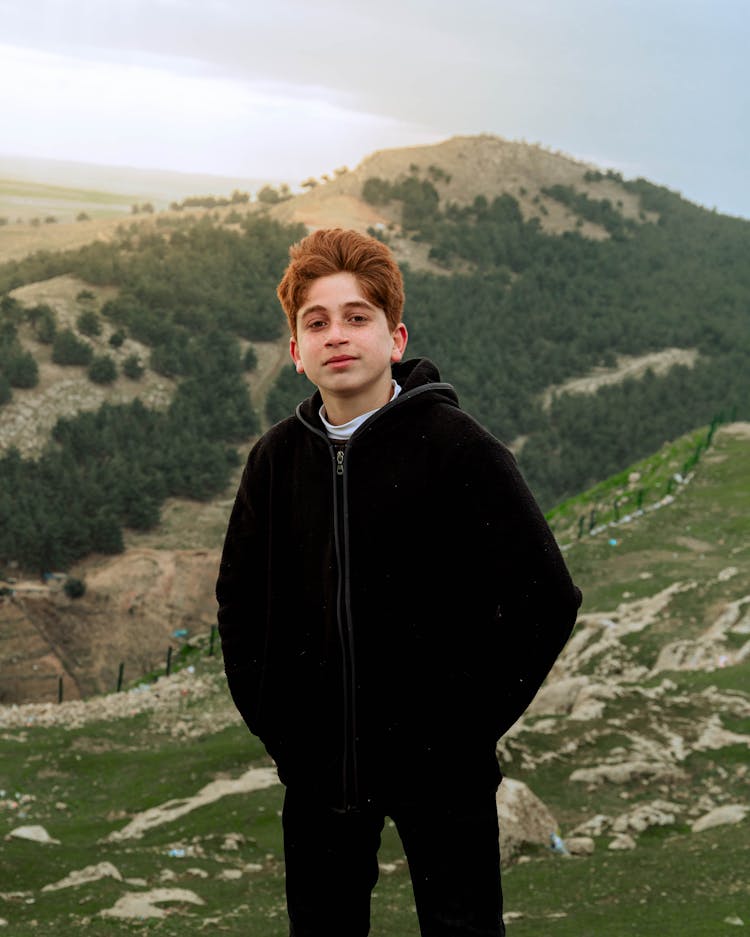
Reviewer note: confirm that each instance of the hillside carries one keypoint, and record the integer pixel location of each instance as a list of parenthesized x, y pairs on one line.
[(461, 169), (157, 801), (584, 318)]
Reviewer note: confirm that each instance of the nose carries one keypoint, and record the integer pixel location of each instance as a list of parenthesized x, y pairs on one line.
[(336, 334)]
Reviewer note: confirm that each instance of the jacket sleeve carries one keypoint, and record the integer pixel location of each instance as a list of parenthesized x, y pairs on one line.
[(241, 598), (523, 575)]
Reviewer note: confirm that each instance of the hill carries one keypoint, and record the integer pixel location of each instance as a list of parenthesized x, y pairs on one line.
[(157, 800)]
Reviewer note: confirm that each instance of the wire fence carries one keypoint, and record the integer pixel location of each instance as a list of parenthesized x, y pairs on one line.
[(623, 507), (51, 687)]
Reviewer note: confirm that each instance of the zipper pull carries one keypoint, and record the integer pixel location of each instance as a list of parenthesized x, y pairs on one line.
[(340, 462)]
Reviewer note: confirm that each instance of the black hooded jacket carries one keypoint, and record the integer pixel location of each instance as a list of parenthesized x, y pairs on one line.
[(388, 610)]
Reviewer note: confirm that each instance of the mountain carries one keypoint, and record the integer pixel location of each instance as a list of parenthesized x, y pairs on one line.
[(158, 801)]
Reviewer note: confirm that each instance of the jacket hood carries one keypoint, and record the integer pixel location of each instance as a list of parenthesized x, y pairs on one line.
[(416, 376)]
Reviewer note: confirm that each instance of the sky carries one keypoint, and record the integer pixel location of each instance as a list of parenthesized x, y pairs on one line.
[(290, 89)]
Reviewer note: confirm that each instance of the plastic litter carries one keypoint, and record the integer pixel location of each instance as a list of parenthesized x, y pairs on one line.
[(557, 845)]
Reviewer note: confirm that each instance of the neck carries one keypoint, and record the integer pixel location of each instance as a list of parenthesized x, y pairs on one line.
[(340, 410)]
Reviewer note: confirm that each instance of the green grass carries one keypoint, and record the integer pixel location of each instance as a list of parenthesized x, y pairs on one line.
[(88, 782)]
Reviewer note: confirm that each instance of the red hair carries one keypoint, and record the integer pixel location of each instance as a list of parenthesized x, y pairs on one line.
[(334, 250)]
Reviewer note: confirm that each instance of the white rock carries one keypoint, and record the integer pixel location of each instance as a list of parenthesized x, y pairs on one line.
[(622, 841), (580, 845), (254, 779), (144, 904), (229, 875), (36, 834), (640, 818), (92, 873), (720, 816), (734, 919), (625, 772), (715, 736), (596, 826), (523, 818), (558, 698)]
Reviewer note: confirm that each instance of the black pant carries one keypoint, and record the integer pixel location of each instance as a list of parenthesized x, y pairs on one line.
[(453, 853)]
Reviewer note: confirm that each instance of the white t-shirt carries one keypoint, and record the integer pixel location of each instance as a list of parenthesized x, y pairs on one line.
[(343, 433)]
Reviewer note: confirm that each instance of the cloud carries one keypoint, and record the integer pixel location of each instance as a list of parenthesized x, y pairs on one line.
[(166, 113)]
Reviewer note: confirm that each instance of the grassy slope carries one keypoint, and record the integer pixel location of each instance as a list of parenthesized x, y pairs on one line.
[(88, 781)]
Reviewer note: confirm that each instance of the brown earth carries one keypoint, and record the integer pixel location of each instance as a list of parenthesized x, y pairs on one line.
[(133, 605)]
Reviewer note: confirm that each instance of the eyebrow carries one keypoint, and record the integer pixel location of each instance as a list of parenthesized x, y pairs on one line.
[(352, 304)]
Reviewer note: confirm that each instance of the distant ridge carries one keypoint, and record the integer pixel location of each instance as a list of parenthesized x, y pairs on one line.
[(159, 185)]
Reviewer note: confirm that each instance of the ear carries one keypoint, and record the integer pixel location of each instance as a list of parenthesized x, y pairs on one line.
[(296, 357), (400, 338)]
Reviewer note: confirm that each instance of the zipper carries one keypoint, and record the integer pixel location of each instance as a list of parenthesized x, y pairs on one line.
[(350, 781)]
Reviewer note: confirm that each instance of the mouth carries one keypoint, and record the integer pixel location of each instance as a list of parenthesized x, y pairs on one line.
[(340, 359)]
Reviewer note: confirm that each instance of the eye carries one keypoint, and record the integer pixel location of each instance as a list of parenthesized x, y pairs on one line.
[(358, 318)]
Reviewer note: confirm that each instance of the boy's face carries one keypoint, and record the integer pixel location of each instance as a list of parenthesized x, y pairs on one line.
[(345, 346)]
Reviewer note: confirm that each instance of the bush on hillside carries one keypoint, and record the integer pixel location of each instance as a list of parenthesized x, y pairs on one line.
[(89, 323), (20, 369), (102, 370), (68, 349), (132, 368), (74, 588), (249, 359), (43, 322)]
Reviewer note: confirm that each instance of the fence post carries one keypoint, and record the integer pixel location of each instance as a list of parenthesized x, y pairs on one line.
[(211, 641), (120, 673), (581, 522), (60, 689), (169, 660)]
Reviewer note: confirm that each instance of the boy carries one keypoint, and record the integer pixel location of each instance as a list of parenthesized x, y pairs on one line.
[(391, 599)]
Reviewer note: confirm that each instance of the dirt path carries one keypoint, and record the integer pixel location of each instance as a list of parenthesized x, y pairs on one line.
[(660, 362), (272, 356)]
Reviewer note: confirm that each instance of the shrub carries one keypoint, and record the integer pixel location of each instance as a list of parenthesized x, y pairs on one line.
[(74, 588), (21, 369), (250, 359), (102, 370), (117, 338), (89, 323), (132, 368), (42, 318), (67, 348), (5, 392)]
